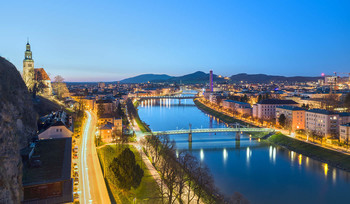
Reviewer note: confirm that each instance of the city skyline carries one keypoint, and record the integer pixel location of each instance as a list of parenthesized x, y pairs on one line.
[(114, 41)]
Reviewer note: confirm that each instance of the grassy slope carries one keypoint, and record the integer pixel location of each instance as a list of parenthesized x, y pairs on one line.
[(147, 191), (325, 155)]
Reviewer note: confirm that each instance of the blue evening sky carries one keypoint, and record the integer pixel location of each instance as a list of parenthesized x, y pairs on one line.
[(112, 40)]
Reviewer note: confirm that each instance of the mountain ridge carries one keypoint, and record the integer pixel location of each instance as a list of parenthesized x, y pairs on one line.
[(202, 77)]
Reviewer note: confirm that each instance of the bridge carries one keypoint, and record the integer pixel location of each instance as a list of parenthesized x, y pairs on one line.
[(166, 97), (191, 131)]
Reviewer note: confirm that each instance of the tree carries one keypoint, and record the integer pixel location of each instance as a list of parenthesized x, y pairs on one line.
[(59, 86), (282, 120), (259, 98), (127, 173)]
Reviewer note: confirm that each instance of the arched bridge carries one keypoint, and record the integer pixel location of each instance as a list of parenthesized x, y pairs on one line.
[(211, 130)]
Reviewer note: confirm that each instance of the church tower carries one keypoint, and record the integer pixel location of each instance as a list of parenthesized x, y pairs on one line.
[(28, 68)]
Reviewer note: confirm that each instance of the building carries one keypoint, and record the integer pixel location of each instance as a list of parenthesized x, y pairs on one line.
[(237, 106), (43, 81), (36, 79), (295, 117), (344, 118), (211, 81), (47, 173), (106, 132), (55, 125), (344, 133), (109, 125), (28, 68), (106, 106), (322, 122), (266, 109)]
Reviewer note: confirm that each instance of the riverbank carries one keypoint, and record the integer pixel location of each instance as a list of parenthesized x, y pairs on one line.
[(147, 192), (227, 119), (133, 113), (333, 158)]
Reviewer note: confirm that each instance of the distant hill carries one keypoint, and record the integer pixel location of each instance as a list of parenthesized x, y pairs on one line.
[(143, 78), (194, 78), (263, 78), (200, 77)]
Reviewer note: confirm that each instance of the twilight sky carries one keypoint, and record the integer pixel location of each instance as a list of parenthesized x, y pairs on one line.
[(111, 40)]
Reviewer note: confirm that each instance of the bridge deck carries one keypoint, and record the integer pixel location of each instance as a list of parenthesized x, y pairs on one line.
[(167, 97), (214, 130)]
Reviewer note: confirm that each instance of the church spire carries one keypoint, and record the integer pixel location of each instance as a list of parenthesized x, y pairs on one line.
[(28, 52)]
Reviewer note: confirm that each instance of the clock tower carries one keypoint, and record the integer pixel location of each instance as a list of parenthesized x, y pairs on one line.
[(28, 68)]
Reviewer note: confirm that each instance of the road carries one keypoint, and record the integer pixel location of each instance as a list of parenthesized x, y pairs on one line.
[(91, 182)]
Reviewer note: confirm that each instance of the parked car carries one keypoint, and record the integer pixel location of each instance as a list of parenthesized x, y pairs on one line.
[(75, 156)]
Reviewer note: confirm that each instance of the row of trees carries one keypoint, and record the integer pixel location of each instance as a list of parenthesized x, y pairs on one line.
[(184, 178)]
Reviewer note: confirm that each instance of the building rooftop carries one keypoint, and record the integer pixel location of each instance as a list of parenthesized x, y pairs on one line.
[(347, 125), (55, 157), (107, 126), (344, 114), (322, 111), (293, 108), (277, 101), (238, 102), (40, 74)]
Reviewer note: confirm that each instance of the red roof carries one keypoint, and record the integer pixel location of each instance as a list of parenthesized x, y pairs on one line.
[(40, 74)]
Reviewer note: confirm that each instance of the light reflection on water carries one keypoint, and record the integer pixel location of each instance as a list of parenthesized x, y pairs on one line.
[(252, 168)]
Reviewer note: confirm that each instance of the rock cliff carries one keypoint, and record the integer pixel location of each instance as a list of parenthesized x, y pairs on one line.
[(17, 126)]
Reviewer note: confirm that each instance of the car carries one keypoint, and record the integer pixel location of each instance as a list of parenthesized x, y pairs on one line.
[(75, 156), (75, 174), (75, 195), (76, 183), (76, 179), (75, 149)]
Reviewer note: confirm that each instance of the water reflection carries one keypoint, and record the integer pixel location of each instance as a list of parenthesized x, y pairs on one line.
[(325, 167), (224, 155), (248, 155), (202, 155), (272, 154)]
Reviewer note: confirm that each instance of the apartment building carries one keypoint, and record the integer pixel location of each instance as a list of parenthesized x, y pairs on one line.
[(295, 116), (344, 132), (322, 122), (241, 107), (266, 109)]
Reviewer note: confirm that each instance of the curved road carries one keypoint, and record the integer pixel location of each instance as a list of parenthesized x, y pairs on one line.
[(91, 182)]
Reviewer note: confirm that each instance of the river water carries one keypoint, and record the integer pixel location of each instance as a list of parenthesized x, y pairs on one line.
[(262, 173)]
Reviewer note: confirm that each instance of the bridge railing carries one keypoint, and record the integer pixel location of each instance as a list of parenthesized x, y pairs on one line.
[(209, 130)]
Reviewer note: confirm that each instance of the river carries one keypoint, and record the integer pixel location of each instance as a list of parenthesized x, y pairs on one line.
[(262, 173)]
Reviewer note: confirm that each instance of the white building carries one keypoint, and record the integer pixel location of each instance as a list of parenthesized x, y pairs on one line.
[(322, 122), (56, 130), (344, 133), (266, 109)]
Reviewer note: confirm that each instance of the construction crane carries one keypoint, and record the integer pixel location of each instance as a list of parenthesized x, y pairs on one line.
[(343, 74)]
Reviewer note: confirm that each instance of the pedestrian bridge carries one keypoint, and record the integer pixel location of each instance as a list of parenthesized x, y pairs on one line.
[(211, 130), (166, 97)]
